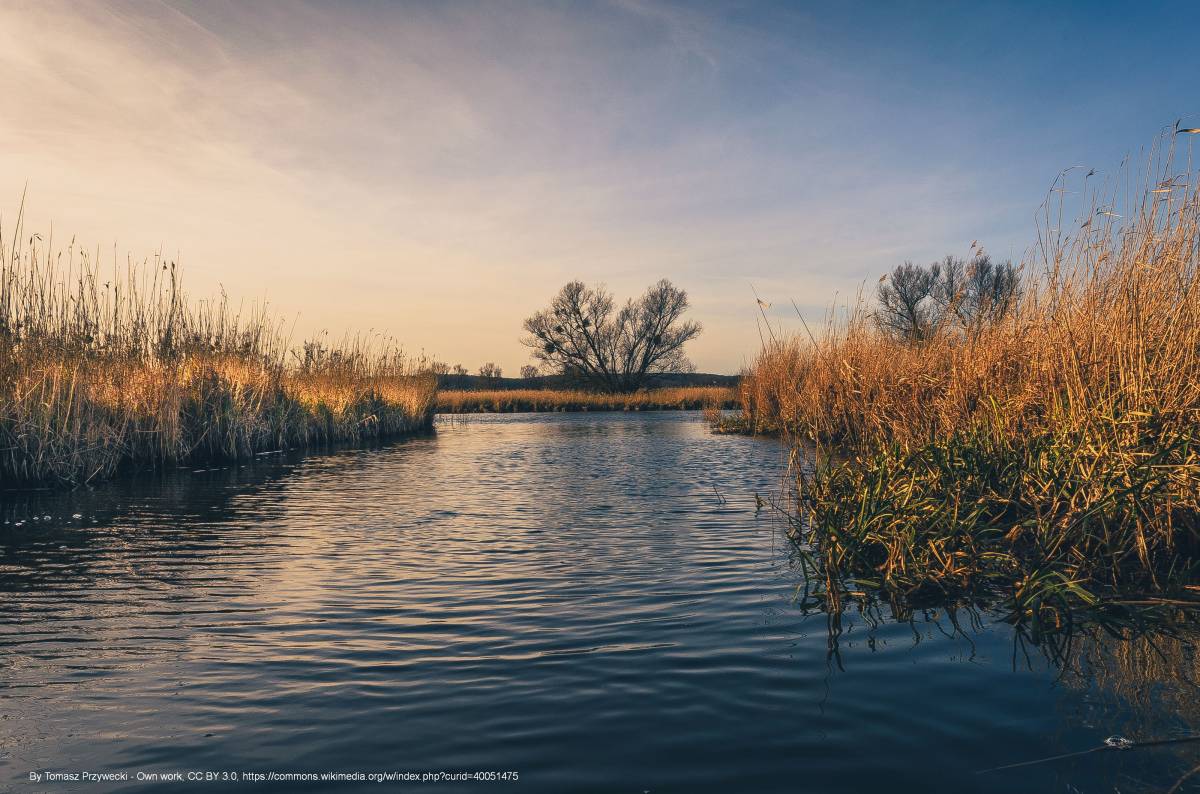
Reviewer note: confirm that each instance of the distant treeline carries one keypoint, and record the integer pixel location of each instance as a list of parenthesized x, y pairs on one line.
[(683, 398), (463, 382)]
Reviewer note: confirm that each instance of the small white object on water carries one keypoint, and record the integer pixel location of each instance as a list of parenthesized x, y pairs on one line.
[(1118, 742)]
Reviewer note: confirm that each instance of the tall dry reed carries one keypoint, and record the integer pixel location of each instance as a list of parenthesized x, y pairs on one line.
[(99, 368), (1055, 454)]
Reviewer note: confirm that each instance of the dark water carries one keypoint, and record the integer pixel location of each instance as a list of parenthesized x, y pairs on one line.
[(567, 597)]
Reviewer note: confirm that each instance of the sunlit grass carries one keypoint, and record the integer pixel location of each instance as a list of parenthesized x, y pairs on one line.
[(1055, 457), (530, 400), (100, 369)]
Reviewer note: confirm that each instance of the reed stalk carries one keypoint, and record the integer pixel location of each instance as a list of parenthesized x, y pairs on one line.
[(101, 368), (1053, 456)]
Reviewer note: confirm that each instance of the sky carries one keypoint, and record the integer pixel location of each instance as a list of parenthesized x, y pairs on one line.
[(436, 171)]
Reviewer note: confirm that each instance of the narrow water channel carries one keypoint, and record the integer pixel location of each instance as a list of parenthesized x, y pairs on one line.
[(588, 600)]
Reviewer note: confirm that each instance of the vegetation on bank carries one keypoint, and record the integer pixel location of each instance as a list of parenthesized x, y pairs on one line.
[(101, 369), (1051, 455), (534, 400), (448, 380)]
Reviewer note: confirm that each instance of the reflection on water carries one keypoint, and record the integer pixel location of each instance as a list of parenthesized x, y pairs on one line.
[(589, 600)]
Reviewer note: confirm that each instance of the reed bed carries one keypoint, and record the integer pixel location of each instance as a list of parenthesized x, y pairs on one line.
[(99, 370), (536, 400), (1053, 457)]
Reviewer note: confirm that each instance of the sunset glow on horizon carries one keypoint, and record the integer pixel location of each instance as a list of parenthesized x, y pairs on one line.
[(436, 171)]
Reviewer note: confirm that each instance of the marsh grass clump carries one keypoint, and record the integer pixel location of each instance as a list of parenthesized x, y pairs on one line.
[(98, 370), (537, 400), (1051, 454), (1047, 521)]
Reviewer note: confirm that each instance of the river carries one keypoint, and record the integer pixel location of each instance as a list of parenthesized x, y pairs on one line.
[(591, 601)]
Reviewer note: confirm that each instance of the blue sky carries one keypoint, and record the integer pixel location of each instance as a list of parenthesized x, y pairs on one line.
[(437, 170)]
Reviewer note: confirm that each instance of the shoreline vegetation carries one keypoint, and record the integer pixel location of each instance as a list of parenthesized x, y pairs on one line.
[(1050, 460), (102, 368), (684, 398)]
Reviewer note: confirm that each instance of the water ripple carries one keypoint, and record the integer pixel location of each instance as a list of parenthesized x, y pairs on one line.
[(565, 596)]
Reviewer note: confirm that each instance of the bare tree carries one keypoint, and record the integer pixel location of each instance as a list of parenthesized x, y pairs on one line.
[(529, 371), (975, 294), (490, 373), (949, 288), (905, 302), (992, 291), (580, 335), (915, 302), (458, 369)]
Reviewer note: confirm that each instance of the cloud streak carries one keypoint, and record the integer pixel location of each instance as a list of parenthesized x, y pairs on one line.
[(438, 170)]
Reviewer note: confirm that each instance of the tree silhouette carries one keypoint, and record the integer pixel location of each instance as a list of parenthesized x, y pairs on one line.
[(916, 302), (582, 336), (490, 373)]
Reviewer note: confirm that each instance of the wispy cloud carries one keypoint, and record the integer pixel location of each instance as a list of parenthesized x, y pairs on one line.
[(439, 169)]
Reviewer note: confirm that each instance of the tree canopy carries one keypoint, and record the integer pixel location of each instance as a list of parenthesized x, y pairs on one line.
[(582, 335), (915, 302)]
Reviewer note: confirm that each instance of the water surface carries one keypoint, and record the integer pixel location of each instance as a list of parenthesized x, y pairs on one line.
[(589, 600)]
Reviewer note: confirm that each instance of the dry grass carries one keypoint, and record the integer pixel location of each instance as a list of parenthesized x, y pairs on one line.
[(533, 400), (1054, 455), (100, 370)]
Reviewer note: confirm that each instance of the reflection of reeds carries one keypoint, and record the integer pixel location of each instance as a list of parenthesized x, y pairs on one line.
[(97, 370), (1054, 455), (1155, 673), (1140, 679), (1136, 672), (523, 400)]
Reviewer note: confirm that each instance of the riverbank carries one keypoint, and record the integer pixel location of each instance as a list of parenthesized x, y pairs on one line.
[(1053, 457), (538, 400), (99, 372)]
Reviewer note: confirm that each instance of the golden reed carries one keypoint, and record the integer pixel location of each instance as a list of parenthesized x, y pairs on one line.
[(1054, 455), (101, 369), (527, 400)]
